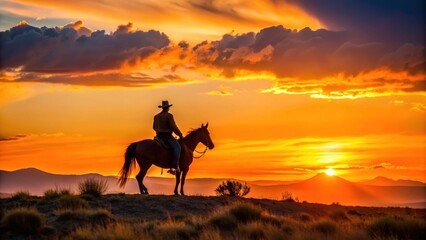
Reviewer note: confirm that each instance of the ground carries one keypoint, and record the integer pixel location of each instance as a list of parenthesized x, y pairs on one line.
[(154, 213)]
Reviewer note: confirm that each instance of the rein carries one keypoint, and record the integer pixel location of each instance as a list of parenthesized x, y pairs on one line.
[(202, 153)]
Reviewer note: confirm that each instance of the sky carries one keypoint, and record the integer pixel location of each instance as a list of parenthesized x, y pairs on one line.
[(290, 88)]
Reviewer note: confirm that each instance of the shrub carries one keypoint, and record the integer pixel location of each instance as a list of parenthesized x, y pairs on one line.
[(23, 220), (232, 188), (21, 195), (245, 212), (288, 197), (93, 187), (325, 227), (400, 228), (71, 202)]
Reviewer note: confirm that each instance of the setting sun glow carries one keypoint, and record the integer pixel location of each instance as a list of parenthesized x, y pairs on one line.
[(330, 172)]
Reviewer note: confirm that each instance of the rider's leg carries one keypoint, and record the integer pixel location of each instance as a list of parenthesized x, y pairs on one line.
[(176, 152)]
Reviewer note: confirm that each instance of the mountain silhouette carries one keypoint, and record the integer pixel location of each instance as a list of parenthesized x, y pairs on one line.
[(320, 188), (384, 181)]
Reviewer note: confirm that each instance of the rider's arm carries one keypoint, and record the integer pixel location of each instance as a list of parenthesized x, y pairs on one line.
[(174, 127)]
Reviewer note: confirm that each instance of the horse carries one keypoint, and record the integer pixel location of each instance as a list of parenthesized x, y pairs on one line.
[(148, 152)]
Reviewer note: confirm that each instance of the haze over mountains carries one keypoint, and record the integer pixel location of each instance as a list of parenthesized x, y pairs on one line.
[(320, 188)]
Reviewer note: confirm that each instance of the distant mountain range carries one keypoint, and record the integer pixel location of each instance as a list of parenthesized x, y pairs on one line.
[(383, 181), (321, 188)]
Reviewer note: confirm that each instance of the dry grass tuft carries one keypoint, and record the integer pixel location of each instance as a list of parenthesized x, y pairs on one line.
[(71, 202), (244, 212), (93, 187), (223, 221), (56, 193), (21, 196), (325, 227), (93, 216), (23, 221), (118, 231)]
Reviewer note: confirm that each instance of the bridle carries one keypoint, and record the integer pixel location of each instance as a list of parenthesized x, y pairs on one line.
[(202, 153)]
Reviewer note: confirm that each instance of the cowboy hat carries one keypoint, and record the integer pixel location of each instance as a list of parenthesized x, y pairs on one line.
[(165, 104)]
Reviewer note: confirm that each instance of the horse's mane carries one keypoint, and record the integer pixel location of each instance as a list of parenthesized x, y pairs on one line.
[(192, 131)]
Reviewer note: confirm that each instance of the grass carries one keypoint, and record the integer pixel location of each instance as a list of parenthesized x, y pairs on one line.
[(325, 227), (399, 228), (71, 202), (71, 217), (245, 212), (93, 187), (23, 221), (21, 195), (223, 221), (56, 193), (113, 231), (94, 216)]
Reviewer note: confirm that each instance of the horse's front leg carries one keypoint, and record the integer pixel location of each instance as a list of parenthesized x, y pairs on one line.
[(140, 177), (183, 181), (177, 182)]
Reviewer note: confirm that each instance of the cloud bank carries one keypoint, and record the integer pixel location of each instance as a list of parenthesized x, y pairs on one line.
[(75, 48), (323, 63)]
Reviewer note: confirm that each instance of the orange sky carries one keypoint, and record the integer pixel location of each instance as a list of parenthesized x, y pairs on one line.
[(282, 102)]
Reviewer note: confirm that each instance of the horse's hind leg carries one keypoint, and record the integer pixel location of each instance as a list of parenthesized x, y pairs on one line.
[(140, 177)]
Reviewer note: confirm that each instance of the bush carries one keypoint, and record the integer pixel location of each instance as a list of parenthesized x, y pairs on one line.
[(93, 187), (23, 220), (288, 197), (400, 228), (21, 195), (232, 188), (71, 202), (245, 212)]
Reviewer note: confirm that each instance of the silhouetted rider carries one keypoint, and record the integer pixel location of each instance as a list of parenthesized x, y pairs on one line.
[(164, 126)]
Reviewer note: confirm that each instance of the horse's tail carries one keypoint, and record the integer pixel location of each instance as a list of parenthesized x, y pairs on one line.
[(129, 163)]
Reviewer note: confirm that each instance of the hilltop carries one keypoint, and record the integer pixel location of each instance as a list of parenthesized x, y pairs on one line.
[(198, 217), (321, 188)]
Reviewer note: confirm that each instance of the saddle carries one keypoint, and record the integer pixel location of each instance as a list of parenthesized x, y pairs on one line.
[(162, 143)]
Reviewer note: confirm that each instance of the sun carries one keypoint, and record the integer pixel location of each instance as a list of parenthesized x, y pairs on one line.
[(330, 172)]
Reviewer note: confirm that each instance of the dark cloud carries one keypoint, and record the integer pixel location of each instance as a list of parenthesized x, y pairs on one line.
[(307, 53), (393, 22), (76, 48), (14, 138)]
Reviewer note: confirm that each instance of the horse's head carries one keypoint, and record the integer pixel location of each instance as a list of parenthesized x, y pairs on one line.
[(205, 136)]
